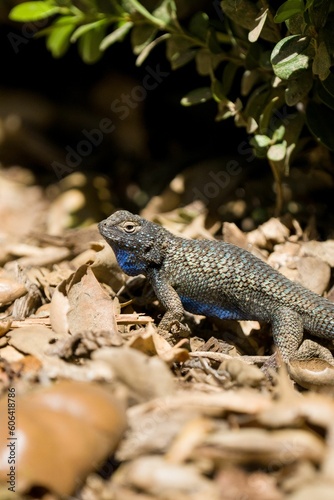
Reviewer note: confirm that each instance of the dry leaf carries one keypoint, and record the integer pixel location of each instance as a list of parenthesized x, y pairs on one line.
[(243, 373), (164, 480), (148, 377), (261, 447), (59, 308), (81, 305), (34, 256), (106, 268), (91, 308), (34, 340), (311, 272), (64, 431), (151, 343), (324, 250), (10, 354), (319, 489), (235, 483), (10, 290), (4, 327)]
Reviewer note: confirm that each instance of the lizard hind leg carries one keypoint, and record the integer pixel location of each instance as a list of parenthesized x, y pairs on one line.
[(287, 329)]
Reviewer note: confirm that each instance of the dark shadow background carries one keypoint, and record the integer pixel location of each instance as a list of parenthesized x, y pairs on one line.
[(175, 136)]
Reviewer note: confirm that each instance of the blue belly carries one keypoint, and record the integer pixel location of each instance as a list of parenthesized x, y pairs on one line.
[(212, 310)]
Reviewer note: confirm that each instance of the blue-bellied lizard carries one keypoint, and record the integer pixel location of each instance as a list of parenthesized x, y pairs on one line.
[(218, 279)]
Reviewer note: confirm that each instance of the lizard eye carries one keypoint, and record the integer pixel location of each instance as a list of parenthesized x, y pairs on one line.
[(129, 227)]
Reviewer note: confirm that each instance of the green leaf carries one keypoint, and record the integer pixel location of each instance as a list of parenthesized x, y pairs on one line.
[(289, 9), (179, 51), (277, 152), (217, 90), (116, 36), (254, 34), (267, 113), (146, 50), (298, 88), (278, 134), (291, 56), (141, 36), (293, 128), (90, 42), (166, 11), (248, 80), (58, 41), (296, 24), (322, 61), (257, 102), (213, 42), (199, 25), (229, 73), (197, 96), (33, 11), (207, 62), (326, 97), (203, 60), (320, 121), (245, 14), (261, 141), (253, 55), (85, 28), (260, 144), (319, 12)]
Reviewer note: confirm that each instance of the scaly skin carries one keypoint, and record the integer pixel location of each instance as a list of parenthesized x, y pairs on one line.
[(220, 280)]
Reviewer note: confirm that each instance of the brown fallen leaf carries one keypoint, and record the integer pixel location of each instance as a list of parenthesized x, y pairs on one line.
[(10, 354), (5, 325), (33, 340), (236, 483), (311, 272), (164, 480), (10, 290), (190, 436), (150, 342), (29, 365), (106, 268), (320, 489), (63, 432), (42, 343), (243, 373), (270, 232), (34, 256), (258, 446), (59, 308), (324, 250), (147, 377), (81, 305)]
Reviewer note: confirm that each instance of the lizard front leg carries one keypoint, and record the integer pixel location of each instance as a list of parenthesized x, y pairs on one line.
[(170, 300)]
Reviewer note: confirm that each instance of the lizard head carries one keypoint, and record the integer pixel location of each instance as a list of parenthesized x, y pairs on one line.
[(131, 233)]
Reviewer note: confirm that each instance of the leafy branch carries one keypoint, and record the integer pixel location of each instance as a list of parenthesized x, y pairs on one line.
[(278, 62)]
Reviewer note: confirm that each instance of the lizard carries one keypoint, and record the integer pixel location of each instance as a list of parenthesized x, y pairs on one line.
[(218, 279)]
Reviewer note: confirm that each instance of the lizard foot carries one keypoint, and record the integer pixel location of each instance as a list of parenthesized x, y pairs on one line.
[(174, 331)]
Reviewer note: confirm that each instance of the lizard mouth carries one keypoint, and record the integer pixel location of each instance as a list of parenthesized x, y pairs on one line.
[(104, 230), (108, 232)]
